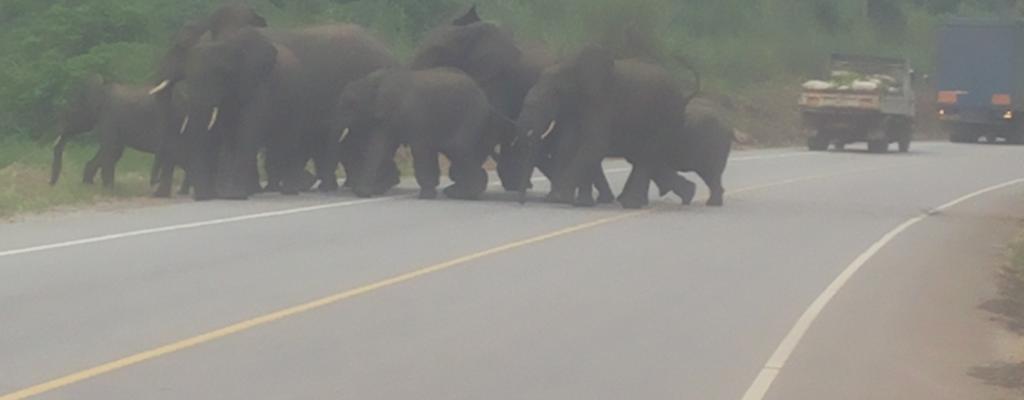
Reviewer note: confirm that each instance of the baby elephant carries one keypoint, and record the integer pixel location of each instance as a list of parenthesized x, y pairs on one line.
[(121, 116), (434, 111), (704, 148)]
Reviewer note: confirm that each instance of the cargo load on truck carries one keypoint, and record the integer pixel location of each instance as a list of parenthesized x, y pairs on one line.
[(850, 81), (863, 99)]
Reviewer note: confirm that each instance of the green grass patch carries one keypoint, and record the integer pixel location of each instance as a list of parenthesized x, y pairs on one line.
[(1013, 285), (25, 173)]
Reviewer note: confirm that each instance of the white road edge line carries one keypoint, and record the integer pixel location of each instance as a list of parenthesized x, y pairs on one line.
[(759, 388), (192, 225), (221, 221)]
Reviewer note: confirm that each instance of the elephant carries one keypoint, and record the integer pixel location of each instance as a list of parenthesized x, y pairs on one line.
[(252, 88), (433, 111), (540, 151), (502, 67), (604, 107), (702, 146), (122, 116)]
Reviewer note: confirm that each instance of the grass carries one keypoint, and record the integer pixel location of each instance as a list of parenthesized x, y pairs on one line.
[(1008, 308), (25, 173), (1013, 287)]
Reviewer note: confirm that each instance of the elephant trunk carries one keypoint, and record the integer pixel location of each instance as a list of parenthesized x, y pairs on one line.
[(534, 146), (526, 165), (58, 158), (378, 151)]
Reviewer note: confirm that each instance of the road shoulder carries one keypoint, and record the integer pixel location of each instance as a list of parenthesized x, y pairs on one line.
[(911, 325)]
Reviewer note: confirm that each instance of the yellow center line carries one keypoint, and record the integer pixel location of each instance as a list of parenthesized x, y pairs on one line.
[(239, 327)]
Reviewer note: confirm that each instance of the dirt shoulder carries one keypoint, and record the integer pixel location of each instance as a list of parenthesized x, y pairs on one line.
[(1008, 310), (914, 323)]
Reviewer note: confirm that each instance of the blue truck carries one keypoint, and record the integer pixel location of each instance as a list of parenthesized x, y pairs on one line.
[(979, 79)]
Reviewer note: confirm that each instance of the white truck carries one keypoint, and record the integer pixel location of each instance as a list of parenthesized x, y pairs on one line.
[(865, 99)]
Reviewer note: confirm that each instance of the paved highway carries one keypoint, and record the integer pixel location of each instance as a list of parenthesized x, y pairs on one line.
[(826, 276)]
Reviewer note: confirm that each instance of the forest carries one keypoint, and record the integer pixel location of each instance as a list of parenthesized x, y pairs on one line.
[(47, 46)]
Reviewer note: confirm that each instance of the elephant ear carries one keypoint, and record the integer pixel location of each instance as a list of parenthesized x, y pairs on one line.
[(172, 67), (96, 91), (594, 67), (470, 17), (389, 87), (491, 51), (234, 17), (255, 57)]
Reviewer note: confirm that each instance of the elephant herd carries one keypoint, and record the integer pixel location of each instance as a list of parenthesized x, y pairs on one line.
[(232, 93)]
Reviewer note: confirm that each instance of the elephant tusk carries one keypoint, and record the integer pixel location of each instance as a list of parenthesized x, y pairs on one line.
[(159, 88), (344, 134), (213, 119), (184, 126), (56, 142), (551, 128), (530, 133)]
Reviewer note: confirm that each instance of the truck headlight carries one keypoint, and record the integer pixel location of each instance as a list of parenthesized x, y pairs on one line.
[(1008, 115)]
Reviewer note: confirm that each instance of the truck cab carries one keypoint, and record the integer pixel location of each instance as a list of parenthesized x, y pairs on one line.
[(979, 79)]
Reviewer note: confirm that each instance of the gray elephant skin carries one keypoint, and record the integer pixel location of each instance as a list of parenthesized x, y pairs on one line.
[(703, 146), (250, 88), (439, 111), (603, 107), (502, 67), (121, 116)]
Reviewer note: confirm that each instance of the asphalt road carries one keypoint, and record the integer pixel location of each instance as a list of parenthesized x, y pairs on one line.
[(826, 276)]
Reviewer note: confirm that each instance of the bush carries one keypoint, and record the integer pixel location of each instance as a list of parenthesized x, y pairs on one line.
[(47, 45)]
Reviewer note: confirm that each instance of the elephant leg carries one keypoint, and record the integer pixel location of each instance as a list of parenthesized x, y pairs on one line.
[(92, 167), (668, 181), (165, 180), (238, 172), (273, 163), (326, 164), (428, 171), (186, 186), (388, 178), (604, 189), (635, 193), (585, 191), (714, 182), (292, 177), (154, 171), (585, 196), (470, 180), (109, 164)]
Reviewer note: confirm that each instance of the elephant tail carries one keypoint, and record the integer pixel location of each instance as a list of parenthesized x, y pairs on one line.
[(58, 158)]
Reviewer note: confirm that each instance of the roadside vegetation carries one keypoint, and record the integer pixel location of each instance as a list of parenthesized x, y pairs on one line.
[(25, 171), (752, 53), (1008, 308), (1012, 289)]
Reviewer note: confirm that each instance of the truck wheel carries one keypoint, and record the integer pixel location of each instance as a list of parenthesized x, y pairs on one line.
[(878, 146), (817, 143), (1017, 138)]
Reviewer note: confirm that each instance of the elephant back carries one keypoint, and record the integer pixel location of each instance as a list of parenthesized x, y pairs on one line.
[(332, 56)]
